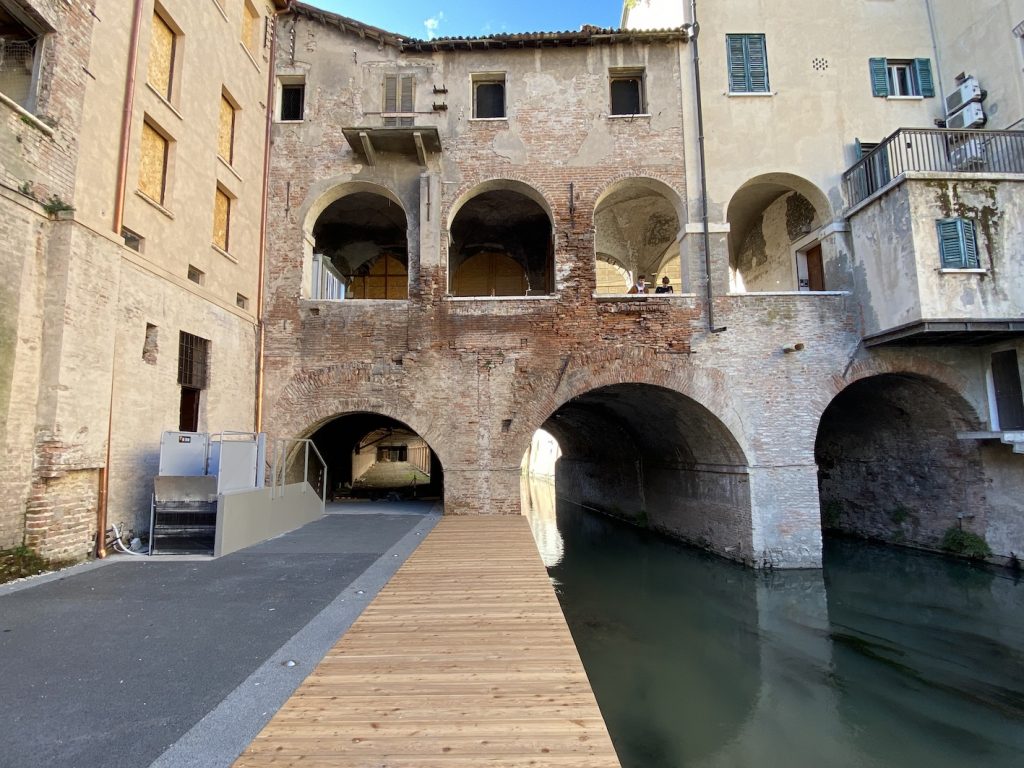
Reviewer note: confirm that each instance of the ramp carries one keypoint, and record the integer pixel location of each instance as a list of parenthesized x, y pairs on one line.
[(464, 659)]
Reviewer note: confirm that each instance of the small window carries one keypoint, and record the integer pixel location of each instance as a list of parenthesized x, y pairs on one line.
[(19, 59), (153, 163), (242, 302), (193, 360), (162, 50), (627, 91), (958, 244), (488, 96), (221, 219), (399, 100), (748, 63), (132, 239), (196, 275), (151, 345), (293, 101), (226, 130), (250, 26), (901, 77)]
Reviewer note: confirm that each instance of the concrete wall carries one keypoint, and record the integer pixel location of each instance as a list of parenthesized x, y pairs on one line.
[(245, 518), (896, 265)]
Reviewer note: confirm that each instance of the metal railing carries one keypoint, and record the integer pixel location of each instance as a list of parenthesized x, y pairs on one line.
[(934, 149), (286, 452)]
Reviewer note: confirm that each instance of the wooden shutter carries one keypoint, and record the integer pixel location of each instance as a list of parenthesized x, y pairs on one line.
[(1006, 383), (226, 130), (958, 244), (408, 94), (221, 219), (925, 82), (161, 57), (879, 77), (152, 164), (390, 98), (249, 18), (757, 63), (737, 64)]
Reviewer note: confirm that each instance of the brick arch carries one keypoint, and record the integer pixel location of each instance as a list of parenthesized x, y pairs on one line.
[(647, 181), (709, 388), (945, 379), (332, 190), (522, 184), (314, 398)]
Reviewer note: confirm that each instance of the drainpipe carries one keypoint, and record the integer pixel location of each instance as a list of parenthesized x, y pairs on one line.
[(935, 48), (260, 326), (694, 33), (122, 181), (126, 117)]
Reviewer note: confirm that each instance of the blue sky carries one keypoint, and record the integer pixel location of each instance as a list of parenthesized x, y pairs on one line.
[(447, 18)]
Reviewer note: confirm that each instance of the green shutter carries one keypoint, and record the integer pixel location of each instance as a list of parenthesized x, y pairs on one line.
[(958, 244), (390, 99), (923, 69), (879, 77), (970, 240), (757, 63), (737, 64)]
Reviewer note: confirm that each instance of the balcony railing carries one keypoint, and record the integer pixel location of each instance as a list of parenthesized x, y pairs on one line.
[(934, 149)]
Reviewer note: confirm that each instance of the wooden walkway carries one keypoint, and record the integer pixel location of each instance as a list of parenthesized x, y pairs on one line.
[(463, 659)]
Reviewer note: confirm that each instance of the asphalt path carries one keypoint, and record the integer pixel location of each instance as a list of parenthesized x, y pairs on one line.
[(180, 661)]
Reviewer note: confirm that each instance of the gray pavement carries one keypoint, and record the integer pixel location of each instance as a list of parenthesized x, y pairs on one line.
[(181, 661)]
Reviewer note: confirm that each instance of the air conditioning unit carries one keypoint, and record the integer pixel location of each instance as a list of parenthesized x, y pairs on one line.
[(968, 92), (971, 116), (970, 154)]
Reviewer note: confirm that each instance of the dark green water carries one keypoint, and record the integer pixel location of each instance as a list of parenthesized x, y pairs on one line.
[(884, 658)]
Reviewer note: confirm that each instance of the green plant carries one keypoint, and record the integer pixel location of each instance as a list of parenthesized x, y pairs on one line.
[(965, 543), (26, 189), (55, 205)]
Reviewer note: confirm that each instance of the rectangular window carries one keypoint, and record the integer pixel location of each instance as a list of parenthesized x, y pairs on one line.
[(19, 57), (293, 101), (627, 91), (399, 100), (153, 163), (193, 359), (1006, 387), (488, 96), (250, 25), (162, 44), (226, 130), (132, 239), (958, 244), (242, 302), (196, 275), (221, 219), (901, 77), (748, 63)]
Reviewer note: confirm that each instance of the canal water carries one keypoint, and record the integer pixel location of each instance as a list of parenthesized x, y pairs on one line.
[(886, 657)]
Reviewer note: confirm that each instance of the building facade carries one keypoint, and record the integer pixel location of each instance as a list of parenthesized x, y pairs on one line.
[(133, 166)]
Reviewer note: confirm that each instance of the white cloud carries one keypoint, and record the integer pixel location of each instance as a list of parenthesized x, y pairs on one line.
[(432, 23)]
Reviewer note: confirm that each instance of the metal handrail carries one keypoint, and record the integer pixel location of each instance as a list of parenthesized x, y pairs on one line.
[(938, 150), (279, 466)]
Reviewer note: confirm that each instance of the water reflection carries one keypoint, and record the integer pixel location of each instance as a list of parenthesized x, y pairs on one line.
[(887, 658)]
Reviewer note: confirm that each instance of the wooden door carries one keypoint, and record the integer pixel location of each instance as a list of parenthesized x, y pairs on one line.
[(1006, 382), (815, 270)]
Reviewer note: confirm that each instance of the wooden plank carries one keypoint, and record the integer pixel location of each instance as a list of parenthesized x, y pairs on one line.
[(463, 659)]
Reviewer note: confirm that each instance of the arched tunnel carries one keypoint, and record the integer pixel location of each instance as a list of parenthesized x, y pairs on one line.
[(890, 464), (374, 456), (657, 458)]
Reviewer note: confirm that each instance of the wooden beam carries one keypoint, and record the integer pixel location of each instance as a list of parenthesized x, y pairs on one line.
[(421, 151), (371, 156)]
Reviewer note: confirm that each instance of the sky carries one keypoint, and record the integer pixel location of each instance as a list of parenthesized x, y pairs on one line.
[(473, 18)]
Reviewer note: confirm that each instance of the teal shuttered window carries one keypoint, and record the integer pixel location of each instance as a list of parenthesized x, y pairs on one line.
[(958, 244), (748, 63), (901, 77)]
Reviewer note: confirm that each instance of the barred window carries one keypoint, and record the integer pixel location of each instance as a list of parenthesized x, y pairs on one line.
[(193, 359), (19, 59)]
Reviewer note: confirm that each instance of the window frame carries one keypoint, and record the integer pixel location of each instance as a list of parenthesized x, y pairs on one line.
[(251, 46), (226, 98), (490, 78), (220, 190), (174, 72), (37, 30), (751, 84), (399, 117), (623, 74), (884, 77), (958, 245), (162, 200), (288, 82)]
